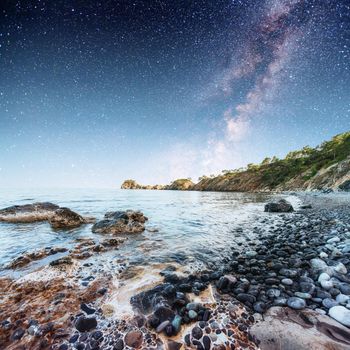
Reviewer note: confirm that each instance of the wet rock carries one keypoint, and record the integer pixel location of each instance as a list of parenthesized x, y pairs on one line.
[(244, 297), (119, 344), (192, 314), (282, 206), (85, 324), (164, 313), (206, 342), (329, 303), (28, 212), (227, 282), (197, 333), (64, 218), (17, 334), (87, 309), (173, 345), (66, 260), (162, 326), (134, 339), (121, 222)]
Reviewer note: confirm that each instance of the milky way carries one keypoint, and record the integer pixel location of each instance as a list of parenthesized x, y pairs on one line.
[(92, 92)]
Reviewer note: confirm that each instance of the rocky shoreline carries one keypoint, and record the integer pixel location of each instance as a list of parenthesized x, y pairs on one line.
[(295, 271)]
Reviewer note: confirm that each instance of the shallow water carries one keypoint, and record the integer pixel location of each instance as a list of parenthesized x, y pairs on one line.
[(194, 228)]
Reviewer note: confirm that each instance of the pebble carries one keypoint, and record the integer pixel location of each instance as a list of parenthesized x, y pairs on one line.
[(287, 281), (327, 285), (134, 339), (85, 324), (340, 314), (328, 303), (296, 303), (197, 333), (342, 298), (323, 277)]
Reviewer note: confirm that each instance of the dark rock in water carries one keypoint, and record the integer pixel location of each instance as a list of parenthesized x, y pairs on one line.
[(119, 344), (64, 218), (345, 186), (87, 309), (28, 212), (121, 222), (17, 334), (63, 347), (197, 333), (164, 313), (282, 206), (162, 326), (185, 288), (85, 324), (227, 282), (206, 342), (134, 339), (66, 260), (173, 345), (307, 206)]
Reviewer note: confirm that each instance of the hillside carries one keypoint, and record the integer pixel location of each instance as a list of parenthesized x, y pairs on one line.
[(326, 166)]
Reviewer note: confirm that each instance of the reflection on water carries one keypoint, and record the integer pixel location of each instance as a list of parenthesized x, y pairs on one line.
[(193, 227)]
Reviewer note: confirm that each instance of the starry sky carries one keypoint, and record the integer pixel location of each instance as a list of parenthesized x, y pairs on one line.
[(95, 92)]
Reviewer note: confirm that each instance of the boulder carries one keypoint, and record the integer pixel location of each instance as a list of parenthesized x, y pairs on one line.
[(282, 206), (283, 328), (117, 222), (28, 212), (64, 218)]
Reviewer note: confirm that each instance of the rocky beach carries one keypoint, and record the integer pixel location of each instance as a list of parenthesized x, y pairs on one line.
[(283, 283)]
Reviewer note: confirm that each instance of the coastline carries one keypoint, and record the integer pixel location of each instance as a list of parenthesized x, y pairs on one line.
[(44, 307)]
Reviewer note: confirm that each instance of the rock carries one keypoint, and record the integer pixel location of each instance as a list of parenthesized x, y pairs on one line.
[(121, 222), (302, 295), (28, 212), (176, 323), (327, 285), (174, 345), (17, 334), (164, 313), (340, 314), (324, 277), (329, 303), (162, 326), (66, 260), (340, 268), (192, 314), (287, 281), (85, 324), (282, 206), (206, 342), (118, 344), (197, 333), (134, 339), (333, 240), (244, 297), (87, 309), (283, 328), (64, 218), (296, 303), (227, 282), (342, 298)]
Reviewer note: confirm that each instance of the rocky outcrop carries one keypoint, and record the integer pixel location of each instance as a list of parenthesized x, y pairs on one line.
[(59, 218), (282, 206), (180, 184), (118, 222), (28, 212), (284, 328), (64, 218), (133, 185)]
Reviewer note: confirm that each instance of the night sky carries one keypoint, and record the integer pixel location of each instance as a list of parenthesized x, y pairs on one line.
[(94, 92)]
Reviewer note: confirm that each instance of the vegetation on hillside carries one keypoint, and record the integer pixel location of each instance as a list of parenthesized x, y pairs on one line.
[(307, 161)]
